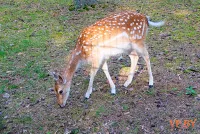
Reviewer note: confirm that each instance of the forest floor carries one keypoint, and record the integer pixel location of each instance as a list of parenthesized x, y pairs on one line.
[(37, 36)]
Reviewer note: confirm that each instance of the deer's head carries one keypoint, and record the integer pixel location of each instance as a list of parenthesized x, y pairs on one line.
[(61, 88)]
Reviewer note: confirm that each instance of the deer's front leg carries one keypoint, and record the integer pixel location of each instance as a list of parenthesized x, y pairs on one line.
[(96, 64), (134, 59), (92, 75)]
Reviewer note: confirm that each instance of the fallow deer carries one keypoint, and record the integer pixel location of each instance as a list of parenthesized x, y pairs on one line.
[(120, 33)]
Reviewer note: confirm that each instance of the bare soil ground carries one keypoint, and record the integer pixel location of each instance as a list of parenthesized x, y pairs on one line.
[(28, 103)]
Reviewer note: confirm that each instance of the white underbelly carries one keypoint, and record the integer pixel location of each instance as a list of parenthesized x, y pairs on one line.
[(117, 49)]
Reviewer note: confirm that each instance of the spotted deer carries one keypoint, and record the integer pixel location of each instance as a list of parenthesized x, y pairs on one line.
[(116, 34)]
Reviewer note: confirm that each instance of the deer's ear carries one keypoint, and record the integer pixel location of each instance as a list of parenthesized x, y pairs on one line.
[(57, 77), (60, 80)]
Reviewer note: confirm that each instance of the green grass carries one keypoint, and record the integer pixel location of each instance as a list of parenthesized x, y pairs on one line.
[(2, 89), (75, 131), (36, 36), (2, 122), (100, 111), (190, 91), (151, 92), (125, 107), (24, 120)]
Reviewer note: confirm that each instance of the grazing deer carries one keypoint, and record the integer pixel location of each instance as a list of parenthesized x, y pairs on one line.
[(119, 33)]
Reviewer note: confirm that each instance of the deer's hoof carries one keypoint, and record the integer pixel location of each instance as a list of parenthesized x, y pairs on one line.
[(113, 91), (87, 96), (150, 86)]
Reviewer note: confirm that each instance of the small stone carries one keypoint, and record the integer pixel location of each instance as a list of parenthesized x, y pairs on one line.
[(130, 121), (126, 113), (198, 55), (165, 35), (86, 106), (27, 106), (43, 98), (62, 125), (162, 128), (51, 89), (5, 117), (198, 97), (130, 89), (9, 72), (187, 104), (9, 121), (6, 95), (119, 114), (24, 131)]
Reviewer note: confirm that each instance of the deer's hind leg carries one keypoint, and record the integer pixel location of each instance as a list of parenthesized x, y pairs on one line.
[(147, 60), (134, 59)]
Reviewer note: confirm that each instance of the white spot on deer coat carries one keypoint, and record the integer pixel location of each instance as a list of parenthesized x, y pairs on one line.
[(132, 32), (77, 53)]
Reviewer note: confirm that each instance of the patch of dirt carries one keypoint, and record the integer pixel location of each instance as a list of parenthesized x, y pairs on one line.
[(135, 109)]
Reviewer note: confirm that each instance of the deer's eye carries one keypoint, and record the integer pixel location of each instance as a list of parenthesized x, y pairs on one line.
[(61, 91)]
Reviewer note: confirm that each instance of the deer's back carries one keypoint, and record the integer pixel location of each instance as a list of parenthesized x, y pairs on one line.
[(113, 34)]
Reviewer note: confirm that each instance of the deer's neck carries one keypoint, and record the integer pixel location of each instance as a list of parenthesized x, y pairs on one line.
[(72, 65)]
